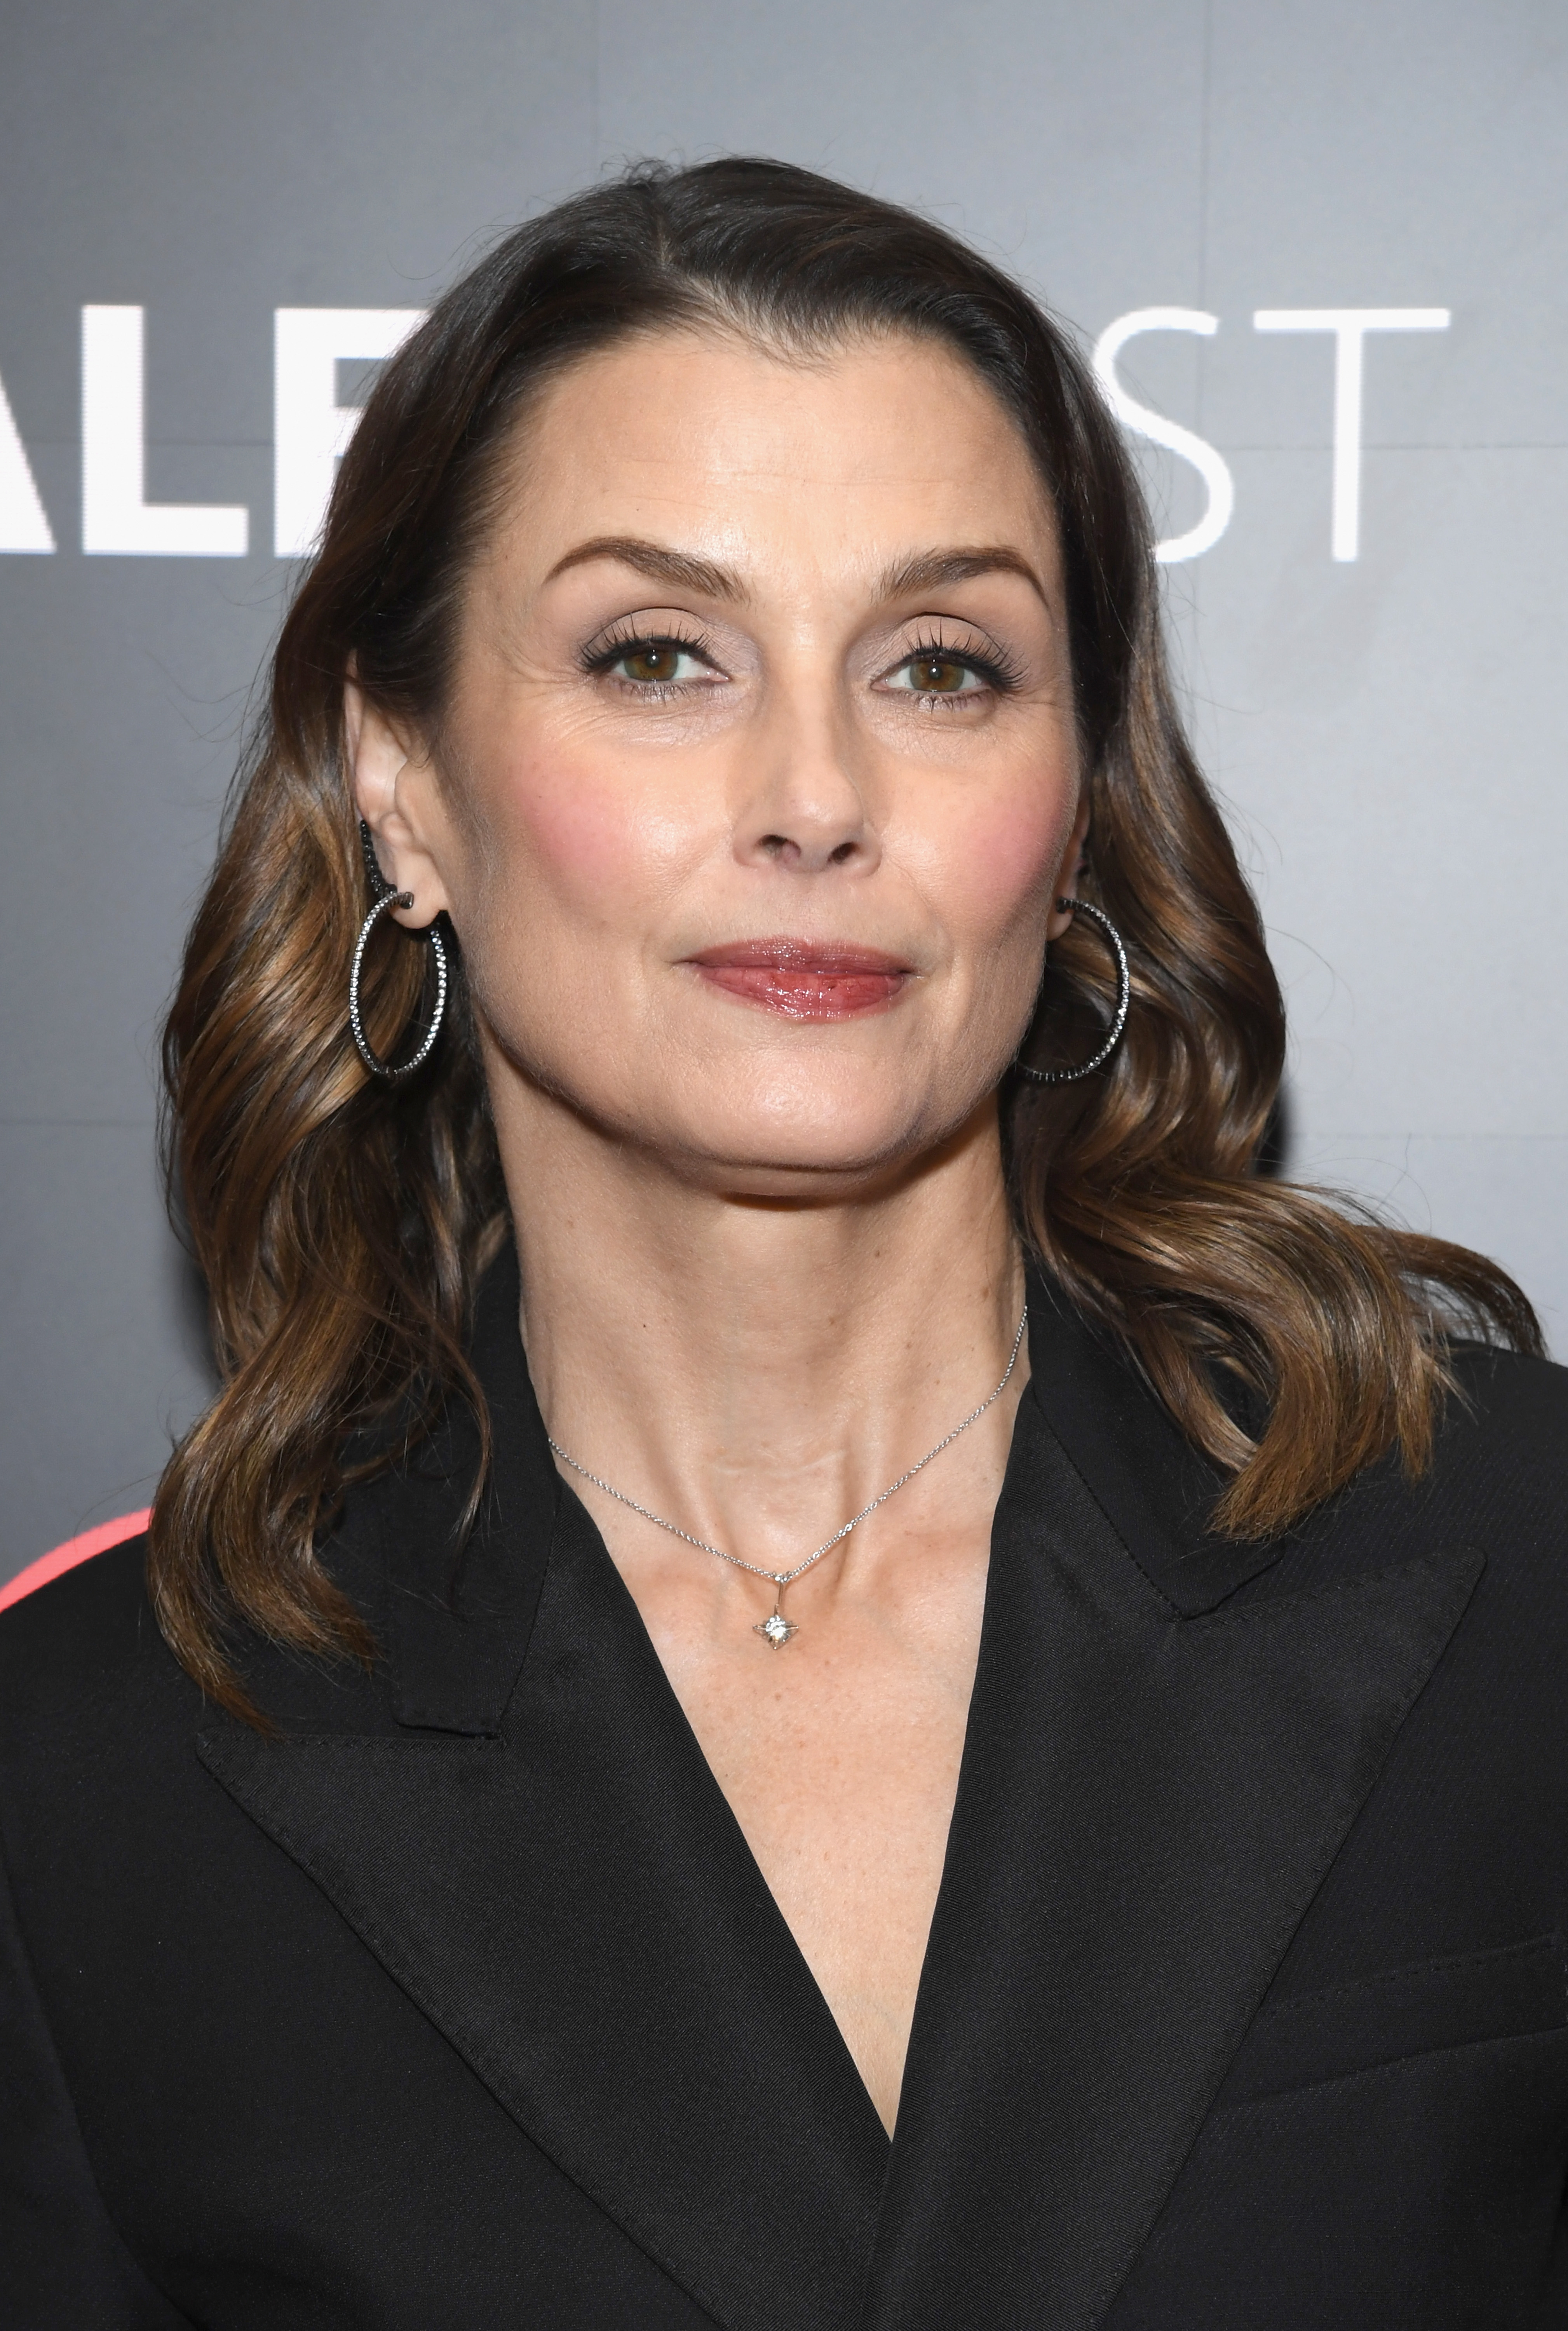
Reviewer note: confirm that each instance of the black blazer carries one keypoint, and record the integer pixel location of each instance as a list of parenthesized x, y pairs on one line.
[(464, 2006)]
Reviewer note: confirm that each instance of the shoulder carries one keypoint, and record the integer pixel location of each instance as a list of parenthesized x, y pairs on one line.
[(1518, 1388), (96, 1719), (1504, 1431), (88, 1610), (1496, 1477), (1495, 1485), (86, 1674), (86, 1642)]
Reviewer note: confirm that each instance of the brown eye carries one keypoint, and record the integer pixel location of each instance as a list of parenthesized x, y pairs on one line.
[(654, 661), (936, 675)]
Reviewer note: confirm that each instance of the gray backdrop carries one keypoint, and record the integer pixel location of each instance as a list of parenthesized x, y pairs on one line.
[(1385, 728)]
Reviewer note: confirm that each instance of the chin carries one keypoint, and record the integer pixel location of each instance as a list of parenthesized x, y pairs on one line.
[(817, 1146), (769, 1128)]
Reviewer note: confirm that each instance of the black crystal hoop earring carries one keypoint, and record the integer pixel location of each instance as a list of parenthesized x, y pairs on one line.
[(385, 898), (1124, 998)]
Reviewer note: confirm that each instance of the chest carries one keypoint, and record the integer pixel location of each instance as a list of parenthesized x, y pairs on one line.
[(839, 1755)]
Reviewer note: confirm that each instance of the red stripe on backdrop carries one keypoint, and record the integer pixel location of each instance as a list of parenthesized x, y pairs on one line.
[(75, 1549)]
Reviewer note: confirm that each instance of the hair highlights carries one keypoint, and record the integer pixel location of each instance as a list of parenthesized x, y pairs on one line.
[(342, 1223)]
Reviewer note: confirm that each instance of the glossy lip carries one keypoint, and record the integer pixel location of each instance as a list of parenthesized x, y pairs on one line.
[(805, 979)]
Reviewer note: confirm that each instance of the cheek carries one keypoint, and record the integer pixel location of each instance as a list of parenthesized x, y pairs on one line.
[(580, 835), (997, 876)]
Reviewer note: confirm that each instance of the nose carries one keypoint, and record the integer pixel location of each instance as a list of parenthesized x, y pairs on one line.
[(803, 803)]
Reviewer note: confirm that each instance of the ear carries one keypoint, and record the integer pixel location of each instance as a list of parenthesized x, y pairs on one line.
[(395, 791), (1070, 871)]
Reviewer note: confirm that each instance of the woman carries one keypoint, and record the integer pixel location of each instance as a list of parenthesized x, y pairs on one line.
[(818, 1667)]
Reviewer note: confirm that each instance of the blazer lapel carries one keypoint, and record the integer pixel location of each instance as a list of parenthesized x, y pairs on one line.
[(1148, 1802), (570, 1901), (1152, 1790)]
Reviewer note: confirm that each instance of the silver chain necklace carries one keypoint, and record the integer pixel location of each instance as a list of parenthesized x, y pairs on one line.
[(776, 1628)]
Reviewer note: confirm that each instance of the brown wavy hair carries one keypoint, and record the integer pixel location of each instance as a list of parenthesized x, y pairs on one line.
[(342, 1225)]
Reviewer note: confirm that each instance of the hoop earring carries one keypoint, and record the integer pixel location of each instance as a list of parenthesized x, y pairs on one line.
[(1124, 998), (386, 896)]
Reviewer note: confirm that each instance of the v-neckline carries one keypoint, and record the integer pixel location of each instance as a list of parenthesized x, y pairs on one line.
[(583, 1589), (582, 1569)]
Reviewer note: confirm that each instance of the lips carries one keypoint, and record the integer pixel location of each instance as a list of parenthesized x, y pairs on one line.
[(805, 979)]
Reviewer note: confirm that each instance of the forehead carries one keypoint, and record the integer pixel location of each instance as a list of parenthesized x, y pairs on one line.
[(706, 438)]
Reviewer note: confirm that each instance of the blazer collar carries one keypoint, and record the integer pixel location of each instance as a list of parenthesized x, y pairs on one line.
[(1148, 1803), (1153, 1487), (458, 1608), (545, 1863), (1150, 1794)]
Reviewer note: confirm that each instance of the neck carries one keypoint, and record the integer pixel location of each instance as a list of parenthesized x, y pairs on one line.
[(756, 1369)]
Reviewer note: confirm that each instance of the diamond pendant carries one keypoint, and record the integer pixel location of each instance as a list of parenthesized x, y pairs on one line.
[(776, 1629)]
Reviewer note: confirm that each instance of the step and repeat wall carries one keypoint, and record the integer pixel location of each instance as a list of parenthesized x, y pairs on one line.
[(1320, 254)]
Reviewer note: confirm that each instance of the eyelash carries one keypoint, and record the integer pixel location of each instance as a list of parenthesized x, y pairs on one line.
[(626, 640), (996, 670)]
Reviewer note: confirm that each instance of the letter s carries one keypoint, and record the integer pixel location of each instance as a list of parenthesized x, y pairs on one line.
[(1153, 425)]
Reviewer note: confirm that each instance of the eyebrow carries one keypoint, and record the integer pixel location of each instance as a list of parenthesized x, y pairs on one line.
[(933, 570), (929, 570), (658, 563)]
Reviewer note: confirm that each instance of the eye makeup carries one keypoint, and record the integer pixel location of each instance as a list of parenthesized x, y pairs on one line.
[(627, 639), (661, 647), (937, 646)]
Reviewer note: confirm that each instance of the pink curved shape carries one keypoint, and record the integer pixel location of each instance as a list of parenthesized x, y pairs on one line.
[(75, 1549)]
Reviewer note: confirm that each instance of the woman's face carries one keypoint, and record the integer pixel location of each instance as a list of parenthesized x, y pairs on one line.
[(759, 779)]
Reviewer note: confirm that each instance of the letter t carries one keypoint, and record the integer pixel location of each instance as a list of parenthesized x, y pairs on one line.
[(1350, 326)]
